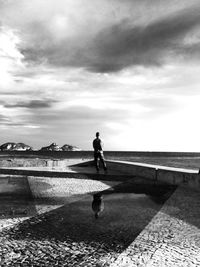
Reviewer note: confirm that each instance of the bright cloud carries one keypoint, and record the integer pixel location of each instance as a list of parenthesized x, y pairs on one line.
[(10, 56)]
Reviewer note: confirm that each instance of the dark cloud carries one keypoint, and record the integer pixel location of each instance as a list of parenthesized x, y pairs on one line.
[(119, 45), (123, 45), (33, 104)]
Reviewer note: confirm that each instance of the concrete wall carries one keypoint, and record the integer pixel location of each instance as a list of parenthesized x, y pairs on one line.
[(172, 176)]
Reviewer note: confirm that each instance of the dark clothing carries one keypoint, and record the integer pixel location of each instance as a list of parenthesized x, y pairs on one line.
[(98, 154), (97, 144)]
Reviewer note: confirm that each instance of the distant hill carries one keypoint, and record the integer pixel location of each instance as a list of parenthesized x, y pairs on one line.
[(10, 146), (70, 148), (54, 147)]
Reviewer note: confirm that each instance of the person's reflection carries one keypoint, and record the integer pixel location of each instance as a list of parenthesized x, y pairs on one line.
[(97, 205)]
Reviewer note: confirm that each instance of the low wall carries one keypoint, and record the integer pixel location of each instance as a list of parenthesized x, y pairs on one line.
[(173, 176)]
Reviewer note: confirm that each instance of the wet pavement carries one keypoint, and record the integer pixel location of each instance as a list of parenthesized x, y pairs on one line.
[(69, 235), (172, 238), (50, 222)]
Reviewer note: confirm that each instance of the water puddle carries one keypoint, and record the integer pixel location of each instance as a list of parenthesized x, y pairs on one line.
[(91, 221)]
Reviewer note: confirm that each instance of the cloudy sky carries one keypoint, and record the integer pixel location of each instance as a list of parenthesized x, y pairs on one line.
[(129, 69)]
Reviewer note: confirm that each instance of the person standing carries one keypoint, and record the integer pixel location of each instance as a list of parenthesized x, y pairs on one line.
[(98, 153)]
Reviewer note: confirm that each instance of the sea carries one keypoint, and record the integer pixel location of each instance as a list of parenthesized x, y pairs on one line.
[(190, 160)]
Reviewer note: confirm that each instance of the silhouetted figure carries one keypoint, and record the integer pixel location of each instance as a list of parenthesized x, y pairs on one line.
[(98, 153), (97, 205)]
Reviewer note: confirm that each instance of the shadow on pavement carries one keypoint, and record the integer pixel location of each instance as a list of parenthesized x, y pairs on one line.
[(128, 208)]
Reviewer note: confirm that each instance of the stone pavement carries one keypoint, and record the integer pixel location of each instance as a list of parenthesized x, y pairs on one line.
[(172, 238), (52, 224), (68, 234)]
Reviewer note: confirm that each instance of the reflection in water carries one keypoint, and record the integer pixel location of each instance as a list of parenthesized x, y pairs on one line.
[(97, 205), (155, 194)]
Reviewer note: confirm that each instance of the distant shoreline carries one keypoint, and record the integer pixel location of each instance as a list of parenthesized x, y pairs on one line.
[(190, 160), (89, 153)]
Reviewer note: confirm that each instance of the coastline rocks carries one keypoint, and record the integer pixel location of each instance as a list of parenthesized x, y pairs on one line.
[(52, 147), (10, 146), (70, 148)]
